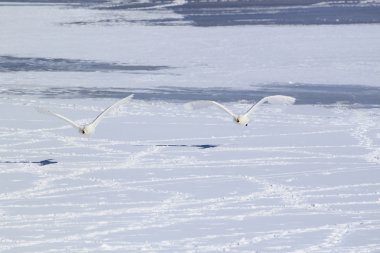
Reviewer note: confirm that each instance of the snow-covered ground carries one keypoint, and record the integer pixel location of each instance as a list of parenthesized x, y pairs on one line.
[(158, 178)]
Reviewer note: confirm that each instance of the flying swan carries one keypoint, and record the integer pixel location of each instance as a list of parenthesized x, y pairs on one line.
[(242, 119), (88, 129)]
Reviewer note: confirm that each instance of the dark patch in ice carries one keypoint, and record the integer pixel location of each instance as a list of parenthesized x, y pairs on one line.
[(84, 2), (41, 163), (203, 146), (244, 3), (133, 4), (13, 64), (304, 93), (313, 15), (249, 12), (233, 12)]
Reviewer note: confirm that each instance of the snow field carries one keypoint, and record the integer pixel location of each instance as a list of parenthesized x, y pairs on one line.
[(158, 178)]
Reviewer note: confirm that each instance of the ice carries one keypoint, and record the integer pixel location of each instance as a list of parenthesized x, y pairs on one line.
[(158, 178), (238, 56)]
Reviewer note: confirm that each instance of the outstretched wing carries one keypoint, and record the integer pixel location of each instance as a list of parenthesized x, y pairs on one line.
[(276, 99), (118, 103), (206, 103), (46, 111)]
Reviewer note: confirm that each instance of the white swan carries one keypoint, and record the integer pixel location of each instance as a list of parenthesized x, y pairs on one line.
[(242, 119), (88, 129)]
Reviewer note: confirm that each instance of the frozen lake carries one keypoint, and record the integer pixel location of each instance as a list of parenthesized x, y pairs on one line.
[(158, 178)]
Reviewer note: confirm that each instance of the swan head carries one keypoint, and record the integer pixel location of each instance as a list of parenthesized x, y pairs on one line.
[(87, 130), (242, 120)]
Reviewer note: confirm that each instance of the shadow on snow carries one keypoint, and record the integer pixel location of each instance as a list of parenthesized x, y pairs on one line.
[(41, 163), (204, 146)]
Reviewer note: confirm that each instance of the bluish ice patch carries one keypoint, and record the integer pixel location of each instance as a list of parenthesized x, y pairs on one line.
[(253, 12), (58, 1), (358, 95), (219, 15), (231, 13), (39, 64)]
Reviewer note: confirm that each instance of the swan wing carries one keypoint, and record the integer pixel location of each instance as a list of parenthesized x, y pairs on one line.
[(198, 104), (46, 111), (115, 105), (276, 99)]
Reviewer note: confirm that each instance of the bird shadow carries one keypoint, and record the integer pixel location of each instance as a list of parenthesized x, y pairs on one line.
[(41, 163), (202, 146)]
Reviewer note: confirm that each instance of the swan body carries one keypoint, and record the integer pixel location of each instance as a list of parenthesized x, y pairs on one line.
[(88, 129), (242, 119)]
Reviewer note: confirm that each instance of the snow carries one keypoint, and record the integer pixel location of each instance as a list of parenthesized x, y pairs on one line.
[(158, 178)]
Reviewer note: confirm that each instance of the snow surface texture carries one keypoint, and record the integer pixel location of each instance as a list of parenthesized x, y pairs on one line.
[(158, 178)]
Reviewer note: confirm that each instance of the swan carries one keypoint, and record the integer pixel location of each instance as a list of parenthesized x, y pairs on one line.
[(242, 119), (88, 129)]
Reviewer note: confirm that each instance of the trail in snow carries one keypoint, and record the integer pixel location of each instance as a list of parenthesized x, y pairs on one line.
[(292, 182)]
